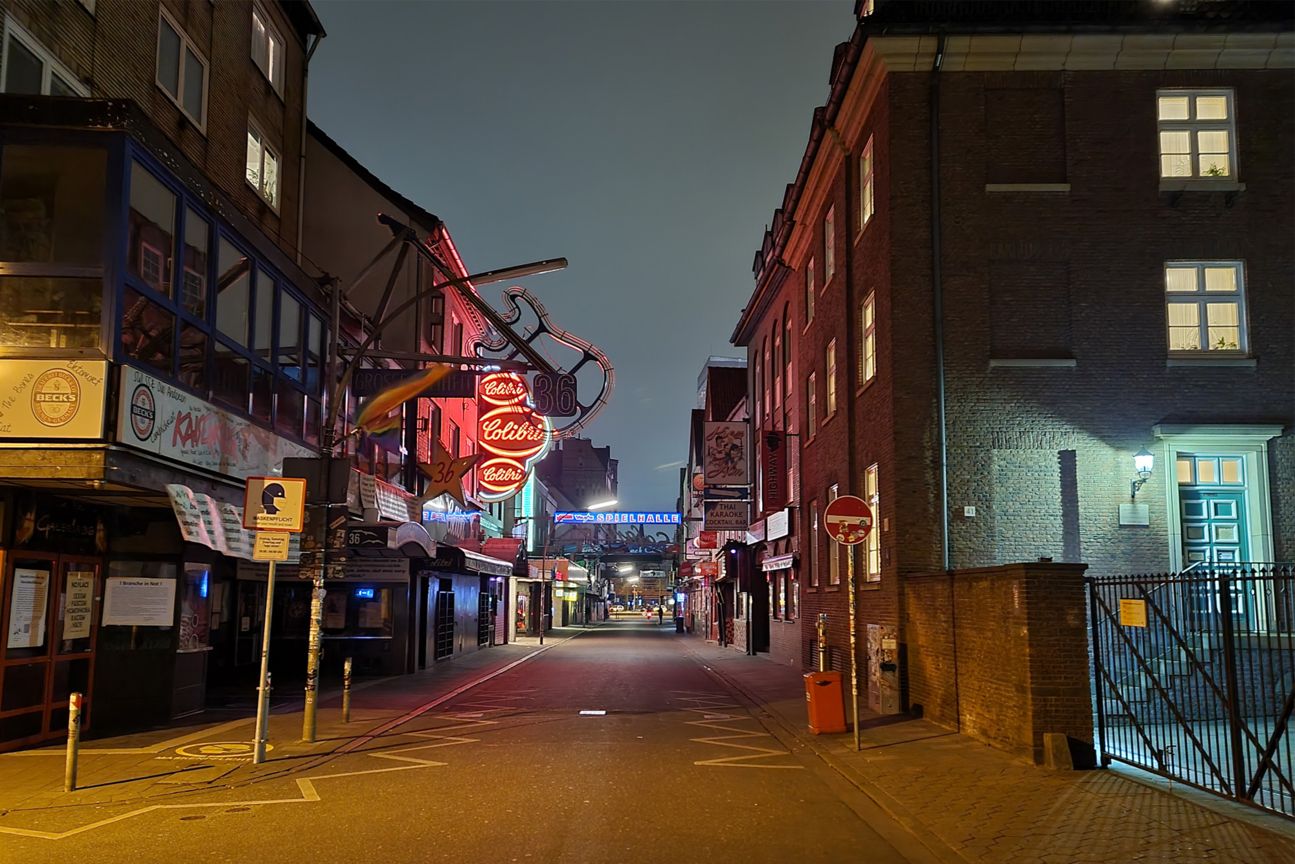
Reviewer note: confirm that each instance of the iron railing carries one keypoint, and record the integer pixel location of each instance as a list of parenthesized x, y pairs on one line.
[(1194, 677)]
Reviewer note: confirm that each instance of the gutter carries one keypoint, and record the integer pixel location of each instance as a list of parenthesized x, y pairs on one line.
[(937, 305)]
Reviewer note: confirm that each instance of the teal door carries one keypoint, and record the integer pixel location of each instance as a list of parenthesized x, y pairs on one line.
[(1215, 536)]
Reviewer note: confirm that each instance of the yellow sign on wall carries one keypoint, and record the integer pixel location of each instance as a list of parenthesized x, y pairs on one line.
[(271, 546), (52, 398), (275, 503), (1133, 613)]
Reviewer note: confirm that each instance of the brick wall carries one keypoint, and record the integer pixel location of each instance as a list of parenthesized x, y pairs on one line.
[(1001, 653)]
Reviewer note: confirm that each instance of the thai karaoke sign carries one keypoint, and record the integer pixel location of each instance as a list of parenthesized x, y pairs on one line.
[(510, 435)]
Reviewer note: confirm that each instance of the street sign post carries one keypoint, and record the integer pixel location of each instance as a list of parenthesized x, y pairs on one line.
[(848, 521), (276, 507)]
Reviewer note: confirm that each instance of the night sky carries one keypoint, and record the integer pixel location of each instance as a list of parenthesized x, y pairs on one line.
[(648, 142)]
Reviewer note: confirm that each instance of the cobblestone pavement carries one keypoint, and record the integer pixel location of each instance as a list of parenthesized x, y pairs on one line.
[(972, 803)]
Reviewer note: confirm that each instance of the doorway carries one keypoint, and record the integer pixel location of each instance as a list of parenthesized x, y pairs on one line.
[(444, 646), (49, 626)]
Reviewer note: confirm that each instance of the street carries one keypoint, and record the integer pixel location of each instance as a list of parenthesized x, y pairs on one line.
[(678, 768)]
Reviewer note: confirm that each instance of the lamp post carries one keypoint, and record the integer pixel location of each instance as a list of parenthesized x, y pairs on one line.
[(330, 440)]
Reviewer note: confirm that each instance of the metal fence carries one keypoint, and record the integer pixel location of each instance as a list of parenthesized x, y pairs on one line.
[(1194, 677)]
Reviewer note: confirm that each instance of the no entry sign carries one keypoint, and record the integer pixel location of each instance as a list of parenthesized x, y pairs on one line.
[(848, 520)]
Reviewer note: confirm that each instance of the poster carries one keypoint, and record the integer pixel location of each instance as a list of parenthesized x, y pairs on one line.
[(78, 604), (27, 608), (725, 460), (139, 602), (335, 610)]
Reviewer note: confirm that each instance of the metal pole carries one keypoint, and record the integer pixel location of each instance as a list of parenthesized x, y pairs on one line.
[(73, 740), (544, 569), (822, 642), (263, 691), (346, 691), (854, 645), (312, 661)]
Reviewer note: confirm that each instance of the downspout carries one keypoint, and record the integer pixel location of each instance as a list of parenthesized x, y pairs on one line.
[(301, 159), (937, 305)]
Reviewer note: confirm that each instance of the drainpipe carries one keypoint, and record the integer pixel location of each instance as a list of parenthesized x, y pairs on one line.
[(301, 161), (937, 304)]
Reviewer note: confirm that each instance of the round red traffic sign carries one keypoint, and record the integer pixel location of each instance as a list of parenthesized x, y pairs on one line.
[(848, 520)]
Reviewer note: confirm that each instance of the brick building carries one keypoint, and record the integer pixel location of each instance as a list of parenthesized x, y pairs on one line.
[(1038, 239), (584, 474)]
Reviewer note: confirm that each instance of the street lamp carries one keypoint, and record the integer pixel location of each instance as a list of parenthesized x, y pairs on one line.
[(603, 505), (402, 234)]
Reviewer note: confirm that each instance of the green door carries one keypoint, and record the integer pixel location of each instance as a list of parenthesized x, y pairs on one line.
[(1214, 537)]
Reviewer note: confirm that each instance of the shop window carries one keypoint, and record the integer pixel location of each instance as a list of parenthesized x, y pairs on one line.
[(40, 312), (152, 230), (229, 377), (195, 608), (52, 204), (147, 331), (358, 610), (793, 599), (193, 285), (193, 358), (232, 290)]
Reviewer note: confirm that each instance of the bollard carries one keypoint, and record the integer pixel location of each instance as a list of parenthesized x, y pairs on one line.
[(73, 741), (346, 691)]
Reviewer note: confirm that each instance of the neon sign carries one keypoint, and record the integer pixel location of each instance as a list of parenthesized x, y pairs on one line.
[(591, 517), (510, 434)]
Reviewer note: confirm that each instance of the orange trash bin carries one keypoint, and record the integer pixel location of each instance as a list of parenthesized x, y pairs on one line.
[(825, 703)]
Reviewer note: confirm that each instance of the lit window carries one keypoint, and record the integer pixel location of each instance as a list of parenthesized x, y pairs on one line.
[(31, 69), (1197, 134), (809, 292), (786, 354), (830, 376), (813, 542), (768, 379), (777, 366), (829, 245), (865, 185), (756, 390), (267, 49), (1205, 306), (811, 407), (871, 494), (868, 324), (833, 550), (262, 166), (181, 70)]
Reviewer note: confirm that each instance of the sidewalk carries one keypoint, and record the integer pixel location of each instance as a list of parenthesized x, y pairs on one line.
[(200, 756), (970, 803)]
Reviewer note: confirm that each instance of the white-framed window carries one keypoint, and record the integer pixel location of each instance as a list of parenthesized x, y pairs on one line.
[(786, 356), (267, 48), (813, 544), (768, 376), (833, 548), (829, 245), (30, 68), (151, 267), (865, 185), (811, 407), (871, 494), (868, 326), (1205, 307), (181, 69), (262, 165), (756, 375), (809, 292), (829, 406), (1197, 130), (193, 292), (776, 363)]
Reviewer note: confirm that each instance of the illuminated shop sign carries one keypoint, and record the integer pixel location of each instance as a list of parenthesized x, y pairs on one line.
[(591, 517), (510, 435)]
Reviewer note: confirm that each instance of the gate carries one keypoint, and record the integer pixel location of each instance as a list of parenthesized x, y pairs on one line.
[(1194, 675)]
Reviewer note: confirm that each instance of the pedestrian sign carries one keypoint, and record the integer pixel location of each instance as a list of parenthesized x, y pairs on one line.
[(274, 503), (271, 546), (848, 520)]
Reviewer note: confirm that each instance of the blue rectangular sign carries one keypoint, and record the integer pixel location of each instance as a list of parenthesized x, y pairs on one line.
[(612, 517)]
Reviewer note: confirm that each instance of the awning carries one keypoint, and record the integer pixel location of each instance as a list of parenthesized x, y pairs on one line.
[(453, 560), (390, 540), (506, 549), (778, 562)]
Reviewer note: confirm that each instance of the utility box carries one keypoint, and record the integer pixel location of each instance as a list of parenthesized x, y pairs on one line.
[(824, 702)]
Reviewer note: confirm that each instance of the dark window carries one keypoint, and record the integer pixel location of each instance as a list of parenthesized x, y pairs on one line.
[(152, 230), (1025, 136), (147, 331), (262, 393), (315, 352), (263, 320), (290, 336), (229, 377), (52, 205), (40, 312), (234, 274), (23, 69), (290, 410), (193, 285), (1029, 309), (193, 358)]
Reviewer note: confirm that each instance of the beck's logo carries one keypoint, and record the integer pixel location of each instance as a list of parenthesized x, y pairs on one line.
[(143, 412), (55, 397)]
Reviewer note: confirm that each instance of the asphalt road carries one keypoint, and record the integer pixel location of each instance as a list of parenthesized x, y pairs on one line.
[(678, 769)]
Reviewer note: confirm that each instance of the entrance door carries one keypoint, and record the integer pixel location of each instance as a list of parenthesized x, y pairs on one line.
[(444, 620), (1215, 530), (48, 625), (249, 620)]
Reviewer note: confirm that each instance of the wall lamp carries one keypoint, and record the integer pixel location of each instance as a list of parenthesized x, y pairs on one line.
[(1142, 463)]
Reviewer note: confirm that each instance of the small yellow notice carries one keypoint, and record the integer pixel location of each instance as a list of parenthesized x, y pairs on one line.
[(1133, 613), (271, 546)]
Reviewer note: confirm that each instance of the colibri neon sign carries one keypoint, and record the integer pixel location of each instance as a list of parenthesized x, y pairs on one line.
[(510, 434)]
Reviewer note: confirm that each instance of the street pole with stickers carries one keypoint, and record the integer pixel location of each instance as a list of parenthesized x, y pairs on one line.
[(848, 521)]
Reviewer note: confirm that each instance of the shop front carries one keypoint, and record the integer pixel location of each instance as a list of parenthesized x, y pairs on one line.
[(461, 591)]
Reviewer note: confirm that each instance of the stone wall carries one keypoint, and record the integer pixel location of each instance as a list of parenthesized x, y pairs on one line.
[(1001, 653)]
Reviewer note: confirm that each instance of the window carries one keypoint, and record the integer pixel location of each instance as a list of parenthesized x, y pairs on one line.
[(764, 362), (454, 439), (756, 376), (811, 408), (809, 292), (147, 331), (1197, 134), (829, 245), (868, 324), (776, 363), (793, 598), (233, 296), (267, 49), (865, 185), (181, 70), (52, 205), (29, 68), (830, 373), (193, 286), (813, 544), (1205, 306), (289, 352), (152, 230), (872, 569), (41, 312), (786, 354), (262, 166), (833, 549), (262, 316)]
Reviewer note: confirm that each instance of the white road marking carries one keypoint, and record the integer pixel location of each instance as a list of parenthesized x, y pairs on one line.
[(711, 706)]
